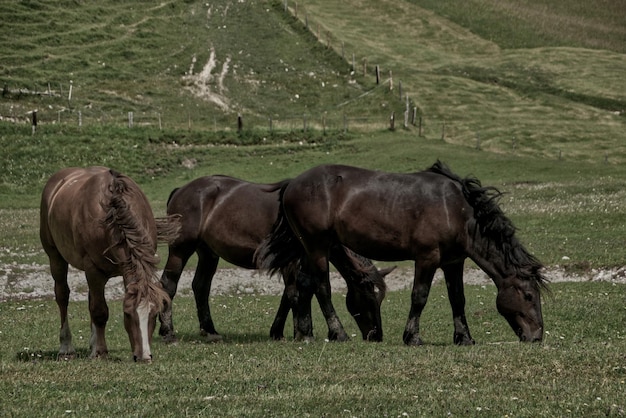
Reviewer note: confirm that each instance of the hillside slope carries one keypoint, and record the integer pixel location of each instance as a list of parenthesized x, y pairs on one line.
[(508, 88)]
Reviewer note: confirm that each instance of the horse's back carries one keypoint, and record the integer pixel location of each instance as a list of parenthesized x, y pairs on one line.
[(73, 214), (385, 216), (231, 216)]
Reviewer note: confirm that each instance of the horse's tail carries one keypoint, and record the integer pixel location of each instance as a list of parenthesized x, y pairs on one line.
[(496, 229), (127, 230), (168, 228), (281, 248)]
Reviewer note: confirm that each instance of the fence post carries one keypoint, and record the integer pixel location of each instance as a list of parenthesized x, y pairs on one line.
[(34, 123), (130, 119), (377, 75), (390, 81), (392, 121), (240, 122)]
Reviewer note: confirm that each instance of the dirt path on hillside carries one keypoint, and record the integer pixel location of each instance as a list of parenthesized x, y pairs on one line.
[(32, 281)]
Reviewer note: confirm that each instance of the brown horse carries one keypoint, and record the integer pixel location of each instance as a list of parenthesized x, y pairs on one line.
[(100, 221), (433, 217), (224, 217)]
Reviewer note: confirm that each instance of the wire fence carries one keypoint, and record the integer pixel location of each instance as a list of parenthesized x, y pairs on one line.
[(56, 104)]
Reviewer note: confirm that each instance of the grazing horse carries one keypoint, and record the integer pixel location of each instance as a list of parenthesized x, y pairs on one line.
[(100, 221), (432, 217), (224, 217)]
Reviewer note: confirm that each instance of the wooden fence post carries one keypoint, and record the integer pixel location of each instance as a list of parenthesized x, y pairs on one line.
[(34, 122), (392, 121), (239, 123)]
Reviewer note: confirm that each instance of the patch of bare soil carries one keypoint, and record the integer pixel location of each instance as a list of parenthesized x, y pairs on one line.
[(33, 281)]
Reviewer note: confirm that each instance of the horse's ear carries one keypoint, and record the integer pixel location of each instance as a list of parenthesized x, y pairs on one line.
[(386, 270)]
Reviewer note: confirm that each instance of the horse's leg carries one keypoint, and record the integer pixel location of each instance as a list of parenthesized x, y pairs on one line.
[(58, 269), (288, 302), (454, 282), (323, 293), (176, 261), (306, 284), (419, 295), (99, 312), (201, 285)]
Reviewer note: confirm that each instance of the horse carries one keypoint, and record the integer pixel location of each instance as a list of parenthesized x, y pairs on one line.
[(225, 217), (99, 221), (433, 217)]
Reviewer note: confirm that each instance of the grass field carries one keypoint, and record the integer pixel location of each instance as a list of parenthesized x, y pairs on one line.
[(526, 95), (579, 370)]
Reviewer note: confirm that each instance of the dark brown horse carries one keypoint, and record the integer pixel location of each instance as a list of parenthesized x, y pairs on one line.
[(100, 221), (224, 217), (433, 217)]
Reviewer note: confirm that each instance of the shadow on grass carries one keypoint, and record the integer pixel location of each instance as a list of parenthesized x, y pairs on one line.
[(34, 356), (227, 338)]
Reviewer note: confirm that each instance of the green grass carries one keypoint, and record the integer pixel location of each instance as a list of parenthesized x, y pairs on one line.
[(578, 370)]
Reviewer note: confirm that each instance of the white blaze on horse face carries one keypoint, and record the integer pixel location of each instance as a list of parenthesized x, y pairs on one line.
[(143, 313)]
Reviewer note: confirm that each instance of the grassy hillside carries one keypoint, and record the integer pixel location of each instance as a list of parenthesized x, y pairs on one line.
[(542, 78), (193, 64)]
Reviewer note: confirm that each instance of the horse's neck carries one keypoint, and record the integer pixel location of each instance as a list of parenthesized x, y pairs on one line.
[(489, 259)]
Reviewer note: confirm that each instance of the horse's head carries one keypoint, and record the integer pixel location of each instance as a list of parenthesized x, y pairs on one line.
[(519, 302), (140, 312), (363, 301)]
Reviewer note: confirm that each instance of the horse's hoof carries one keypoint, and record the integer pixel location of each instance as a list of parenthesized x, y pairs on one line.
[(413, 340), (304, 338), (373, 336), (339, 337), (169, 338), (66, 356), (463, 339), (213, 338)]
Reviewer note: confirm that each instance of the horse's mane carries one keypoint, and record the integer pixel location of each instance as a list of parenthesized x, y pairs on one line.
[(127, 231), (494, 226)]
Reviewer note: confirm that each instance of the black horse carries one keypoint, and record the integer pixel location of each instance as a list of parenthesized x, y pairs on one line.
[(224, 217), (433, 217)]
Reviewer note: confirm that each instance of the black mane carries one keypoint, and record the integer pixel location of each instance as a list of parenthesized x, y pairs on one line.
[(493, 225)]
